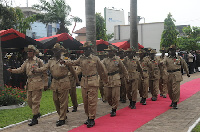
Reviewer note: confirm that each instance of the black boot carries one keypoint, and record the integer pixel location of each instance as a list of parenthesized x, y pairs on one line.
[(113, 113), (172, 104), (175, 105), (60, 123), (133, 105), (130, 103), (34, 121), (74, 109), (144, 101), (86, 122), (59, 120), (153, 98), (91, 123), (123, 101)]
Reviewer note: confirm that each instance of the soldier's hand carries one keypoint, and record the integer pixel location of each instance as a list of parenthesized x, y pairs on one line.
[(78, 84), (9, 69), (62, 62), (188, 75), (45, 88)]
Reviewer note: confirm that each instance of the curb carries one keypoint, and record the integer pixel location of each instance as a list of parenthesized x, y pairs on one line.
[(13, 125)]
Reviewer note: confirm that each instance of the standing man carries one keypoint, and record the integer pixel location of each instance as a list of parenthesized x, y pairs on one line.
[(91, 67), (35, 82), (154, 75), (60, 82), (163, 75), (101, 56), (121, 55), (134, 69), (144, 82), (73, 82), (114, 66), (174, 64)]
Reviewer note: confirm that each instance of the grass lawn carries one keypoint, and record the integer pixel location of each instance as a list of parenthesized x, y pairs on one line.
[(197, 128), (12, 116)]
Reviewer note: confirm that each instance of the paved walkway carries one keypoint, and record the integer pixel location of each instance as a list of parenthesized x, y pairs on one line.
[(171, 121)]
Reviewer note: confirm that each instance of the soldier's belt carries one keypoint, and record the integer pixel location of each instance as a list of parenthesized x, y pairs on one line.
[(173, 70), (133, 70), (113, 73), (58, 78), (145, 70), (89, 75)]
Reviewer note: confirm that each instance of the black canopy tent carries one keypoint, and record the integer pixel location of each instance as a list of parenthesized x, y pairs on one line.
[(67, 41), (14, 40)]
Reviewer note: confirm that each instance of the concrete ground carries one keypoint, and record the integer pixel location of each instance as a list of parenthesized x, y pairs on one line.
[(170, 121)]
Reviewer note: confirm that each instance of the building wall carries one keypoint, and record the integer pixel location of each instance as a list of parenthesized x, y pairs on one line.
[(37, 28), (80, 38), (149, 34), (113, 17)]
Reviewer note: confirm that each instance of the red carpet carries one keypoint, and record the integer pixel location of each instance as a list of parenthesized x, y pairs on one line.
[(128, 120)]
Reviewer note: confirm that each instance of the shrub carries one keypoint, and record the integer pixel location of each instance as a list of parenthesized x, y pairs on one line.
[(11, 96)]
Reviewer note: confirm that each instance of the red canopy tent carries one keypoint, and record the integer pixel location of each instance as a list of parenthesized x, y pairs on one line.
[(101, 44), (125, 44), (68, 41), (13, 39)]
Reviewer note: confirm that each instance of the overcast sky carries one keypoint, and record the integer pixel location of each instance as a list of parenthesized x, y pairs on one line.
[(185, 12)]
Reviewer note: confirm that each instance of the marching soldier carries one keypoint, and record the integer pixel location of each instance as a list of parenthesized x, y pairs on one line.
[(60, 82), (35, 82), (102, 55), (163, 75), (91, 67), (114, 66), (120, 53), (73, 84), (154, 75), (133, 67), (144, 82), (174, 64)]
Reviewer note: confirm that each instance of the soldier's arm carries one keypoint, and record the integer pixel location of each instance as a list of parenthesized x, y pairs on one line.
[(74, 73), (73, 63), (139, 68), (123, 69), (185, 67), (44, 74), (44, 68), (20, 69), (102, 71)]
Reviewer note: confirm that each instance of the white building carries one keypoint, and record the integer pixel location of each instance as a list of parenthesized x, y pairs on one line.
[(149, 34), (113, 17), (38, 29)]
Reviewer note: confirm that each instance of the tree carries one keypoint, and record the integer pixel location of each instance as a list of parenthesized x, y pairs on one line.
[(23, 23), (14, 18), (55, 11), (90, 22), (7, 17), (1, 67), (190, 40), (100, 27), (169, 35)]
